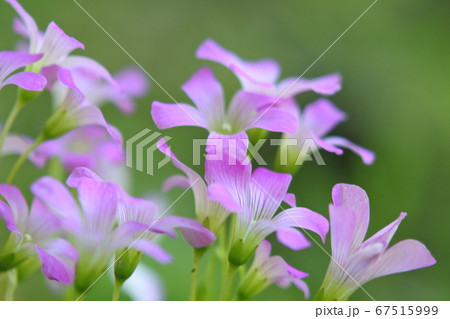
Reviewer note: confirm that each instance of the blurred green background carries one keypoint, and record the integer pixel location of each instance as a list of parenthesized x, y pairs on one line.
[(395, 63)]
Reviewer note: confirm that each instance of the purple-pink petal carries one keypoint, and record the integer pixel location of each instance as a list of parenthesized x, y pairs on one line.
[(58, 259), (27, 80), (322, 116), (172, 115), (292, 239), (366, 155)]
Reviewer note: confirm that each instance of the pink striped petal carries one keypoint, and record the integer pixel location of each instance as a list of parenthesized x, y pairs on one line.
[(264, 71), (58, 198), (17, 204), (404, 256), (173, 115), (207, 94), (58, 259), (326, 85), (355, 199), (56, 45), (11, 61), (303, 218), (322, 116)]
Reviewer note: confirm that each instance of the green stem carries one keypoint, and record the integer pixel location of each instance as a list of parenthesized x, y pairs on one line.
[(8, 284), (18, 106), (227, 286), (117, 286), (198, 255), (23, 157)]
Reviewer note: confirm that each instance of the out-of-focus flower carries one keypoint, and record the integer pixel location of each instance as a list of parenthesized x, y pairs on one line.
[(210, 213), (267, 270), (246, 110), (262, 76), (131, 83), (355, 262), (94, 80), (255, 198), (109, 221), (54, 44), (319, 118), (144, 285), (11, 61), (71, 113), (35, 230)]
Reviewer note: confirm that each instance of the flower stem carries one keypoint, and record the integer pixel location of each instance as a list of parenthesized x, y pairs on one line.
[(8, 284), (227, 286), (117, 286), (198, 255), (23, 157), (18, 106)]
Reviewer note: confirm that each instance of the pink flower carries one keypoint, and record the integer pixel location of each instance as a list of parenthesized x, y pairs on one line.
[(38, 230), (262, 76), (319, 118), (255, 198), (356, 262), (11, 61), (267, 270), (246, 110)]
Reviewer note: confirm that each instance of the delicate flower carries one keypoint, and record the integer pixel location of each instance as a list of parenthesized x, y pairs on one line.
[(37, 230), (111, 220), (72, 113), (246, 110), (130, 83), (210, 213), (89, 146), (319, 118), (355, 262), (91, 77), (54, 44), (267, 270), (255, 198), (262, 76), (11, 61)]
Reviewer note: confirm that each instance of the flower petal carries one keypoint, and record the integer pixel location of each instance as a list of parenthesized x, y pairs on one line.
[(275, 119), (172, 115), (11, 61), (28, 21), (327, 85), (219, 193), (267, 191), (385, 235), (153, 250), (7, 215), (248, 72), (195, 180), (292, 239), (17, 144), (343, 222), (27, 80), (42, 223), (58, 259), (193, 232), (302, 218), (58, 198), (322, 116), (207, 94), (404, 256), (17, 204), (99, 204), (367, 156), (56, 45), (354, 198), (175, 181)]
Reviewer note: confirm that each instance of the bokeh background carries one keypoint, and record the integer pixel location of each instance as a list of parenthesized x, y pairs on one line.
[(395, 63)]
